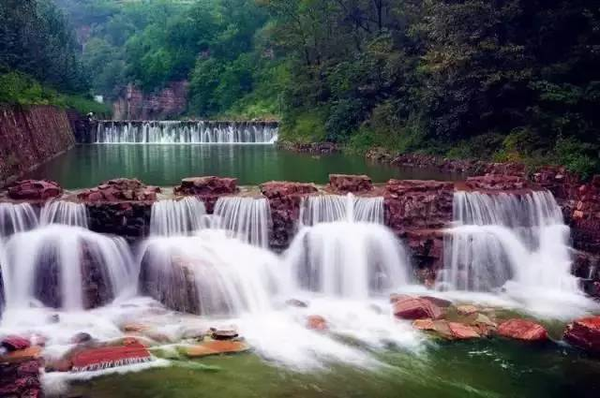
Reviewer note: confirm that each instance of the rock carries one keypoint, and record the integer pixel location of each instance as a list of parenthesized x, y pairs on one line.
[(207, 186), (466, 310), (447, 330), (523, 329), (296, 303), (59, 365), (437, 301), (343, 183), (424, 324), (21, 355), (585, 333), (313, 147), (14, 343), (416, 308), (134, 328), (120, 190), (224, 334), (461, 331), (316, 322), (215, 348), (496, 182), (21, 379), (34, 190), (111, 356), (81, 338)]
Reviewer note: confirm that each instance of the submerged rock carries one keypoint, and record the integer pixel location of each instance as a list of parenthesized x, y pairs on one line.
[(585, 333), (523, 329), (317, 322), (416, 308)]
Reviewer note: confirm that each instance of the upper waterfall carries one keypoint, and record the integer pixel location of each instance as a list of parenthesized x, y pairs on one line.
[(185, 132)]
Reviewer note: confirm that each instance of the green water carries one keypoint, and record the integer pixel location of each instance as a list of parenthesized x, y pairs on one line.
[(491, 369), (163, 165)]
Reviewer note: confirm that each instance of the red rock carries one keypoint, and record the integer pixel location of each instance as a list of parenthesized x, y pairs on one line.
[(99, 358), (494, 182), (424, 324), (416, 308), (350, 183), (120, 189), (461, 331), (276, 189), (21, 355), (34, 190), (466, 310), (215, 348), (316, 322), (585, 333), (523, 329), (14, 343), (207, 186)]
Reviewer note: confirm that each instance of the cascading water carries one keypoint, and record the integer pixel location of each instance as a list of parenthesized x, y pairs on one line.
[(181, 132), (507, 237), (178, 217), (62, 212), (247, 218), (16, 218), (209, 273), (65, 267), (330, 208)]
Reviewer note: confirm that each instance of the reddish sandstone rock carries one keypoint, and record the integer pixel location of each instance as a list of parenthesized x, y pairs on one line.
[(416, 308), (110, 356), (215, 348), (34, 190), (466, 310), (21, 379), (14, 343), (343, 183), (424, 324), (209, 185), (118, 190), (279, 189), (493, 182), (448, 330), (523, 329), (585, 333), (461, 331), (316, 322)]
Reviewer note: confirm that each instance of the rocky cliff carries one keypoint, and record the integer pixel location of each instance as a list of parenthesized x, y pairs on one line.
[(31, 136), (134, 104)]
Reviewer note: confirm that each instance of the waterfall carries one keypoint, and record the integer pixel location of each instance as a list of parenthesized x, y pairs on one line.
[(507, 238), (16, 218), (181, 132), (178, 217), (247, 218), (65, 267), (330, 208), (345, 259), (210, 273), (67, 213)]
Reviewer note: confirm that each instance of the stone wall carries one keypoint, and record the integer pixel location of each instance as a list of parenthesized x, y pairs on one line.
[(136, 105), (31, 136)]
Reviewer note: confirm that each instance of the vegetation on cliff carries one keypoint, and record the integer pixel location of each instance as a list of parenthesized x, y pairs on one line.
[(39, 57)]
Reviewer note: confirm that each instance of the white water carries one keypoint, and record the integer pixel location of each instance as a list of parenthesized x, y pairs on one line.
[(16, 218), (330, 208), (33, 259), (178, 217), (247, 218), (176, 132), (63, 212)]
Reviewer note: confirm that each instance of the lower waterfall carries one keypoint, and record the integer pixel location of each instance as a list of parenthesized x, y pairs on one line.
[(16, 218), (330, 208), (178, 217), (62, 212)]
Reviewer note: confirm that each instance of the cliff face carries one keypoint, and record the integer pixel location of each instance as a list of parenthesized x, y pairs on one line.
[(167, 103), (31, 136)]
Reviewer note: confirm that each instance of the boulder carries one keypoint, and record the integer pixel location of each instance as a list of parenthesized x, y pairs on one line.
[(209, 185), (21, 379), (109, 356), (447, 330), (120, 190), (14, 343), (466, 310), (523, 329), (344, 183), (585, 333), (460, 331), (316, 322), (221, 334), (34, 190), (215, 348), (497, 182), (416, 308)]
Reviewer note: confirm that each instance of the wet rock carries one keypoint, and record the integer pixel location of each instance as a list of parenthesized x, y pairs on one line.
[(442, 303), (316, 322), (120, 190), (21, 379), (59, 365), (523, 329), (54, 318), (320, 148), (34, 190), (284, 201), (466, 310), (81, 338), (134, 328), (215, 348), (448, 330), (461, 331), (296, 303), (585, 333), (21, 355), (343, 183), (416, 308), (14, 343), (208, 189), (221, 334), (424, 324), (497, 182), (110, 356)]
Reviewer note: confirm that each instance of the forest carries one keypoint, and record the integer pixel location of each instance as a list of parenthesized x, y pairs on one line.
[(506, 80)]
